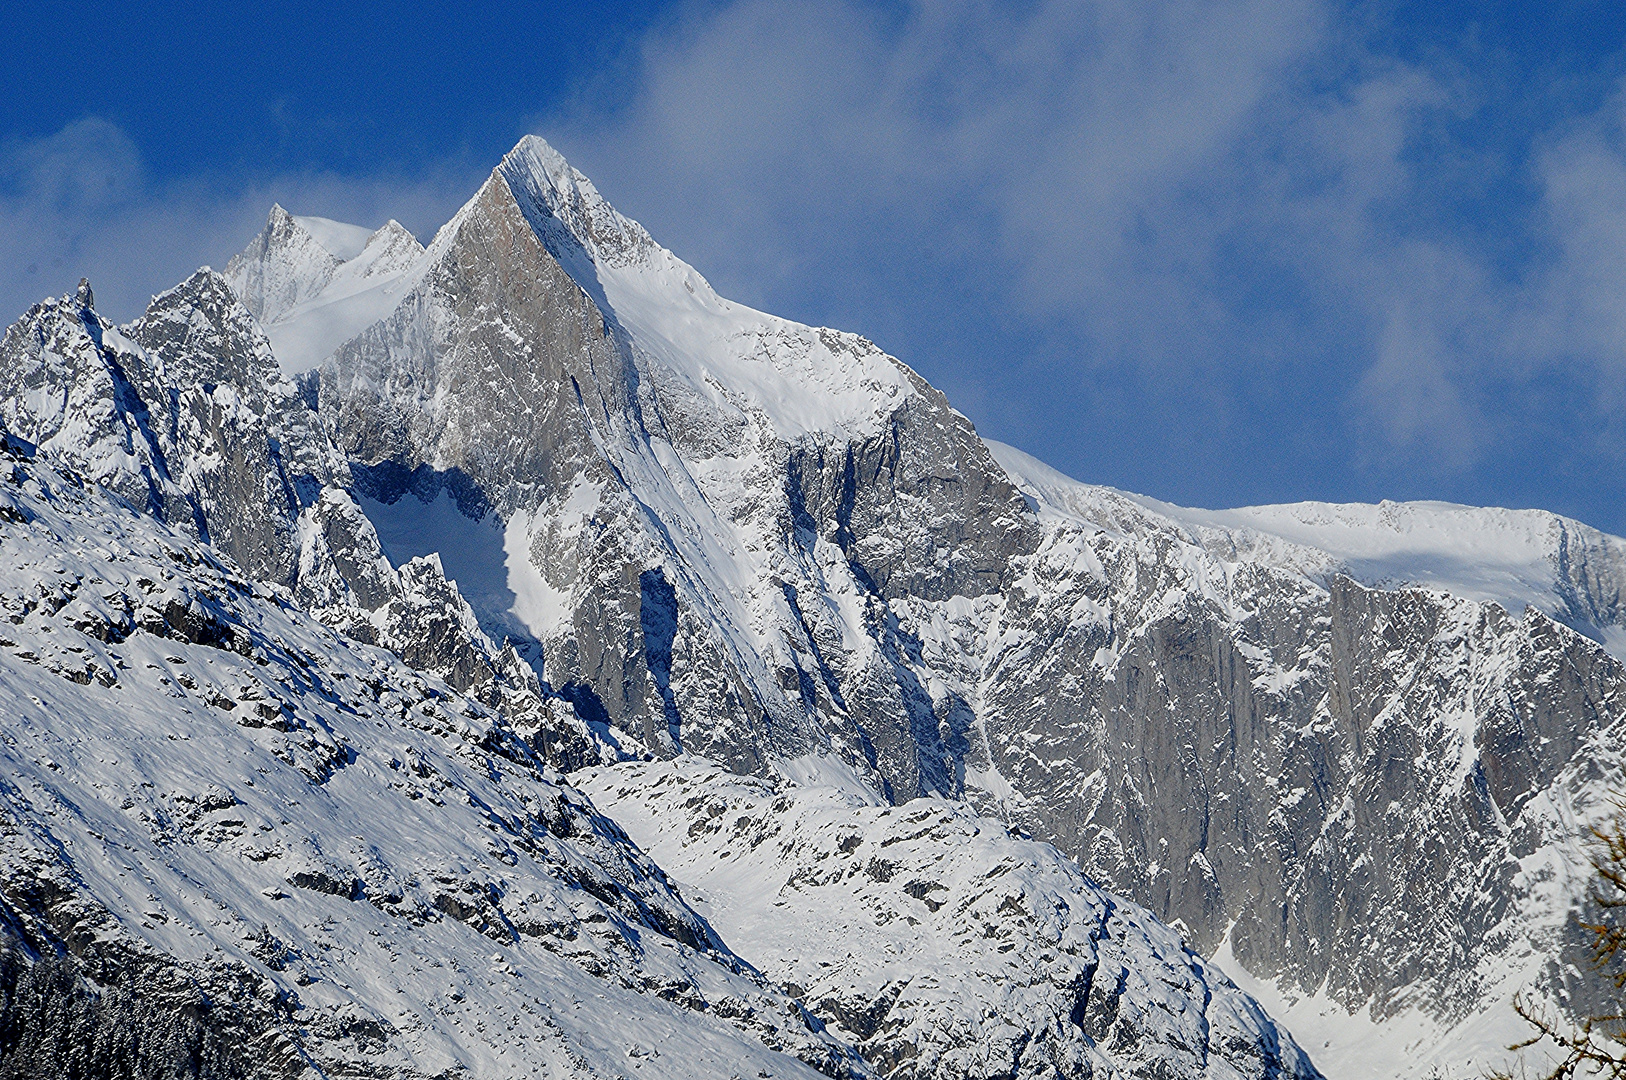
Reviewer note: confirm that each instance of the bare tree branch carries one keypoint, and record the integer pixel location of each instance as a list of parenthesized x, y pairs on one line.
[(1596, 1045)]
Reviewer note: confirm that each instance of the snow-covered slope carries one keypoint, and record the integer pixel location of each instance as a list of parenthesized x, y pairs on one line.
[(933, 939), (735, 359), (199, 783), (344, 242)]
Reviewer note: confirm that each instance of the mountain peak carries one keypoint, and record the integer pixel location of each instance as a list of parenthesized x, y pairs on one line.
[(282, 266), (390, 229), (536, 149), (547, 186), (389, 245), (338, 238)]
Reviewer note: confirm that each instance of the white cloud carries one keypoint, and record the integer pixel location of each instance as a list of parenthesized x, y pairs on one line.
[(1207, 193), (1048, 127), (1581, 311), (79, 203)]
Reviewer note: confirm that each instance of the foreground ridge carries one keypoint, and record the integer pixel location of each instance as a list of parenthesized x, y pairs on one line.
[(358, 867)]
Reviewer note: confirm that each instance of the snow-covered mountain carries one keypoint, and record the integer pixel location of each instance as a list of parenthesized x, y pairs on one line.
[(357, 870), (1346, 751), (313, 283)]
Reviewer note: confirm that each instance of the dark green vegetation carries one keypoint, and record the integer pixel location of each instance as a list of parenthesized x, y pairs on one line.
[(54, 1026)]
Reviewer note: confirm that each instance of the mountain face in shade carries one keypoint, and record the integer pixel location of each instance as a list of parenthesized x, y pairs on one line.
[(666, 544)]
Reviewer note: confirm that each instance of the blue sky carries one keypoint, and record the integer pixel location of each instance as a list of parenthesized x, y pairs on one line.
[(1221, 253)]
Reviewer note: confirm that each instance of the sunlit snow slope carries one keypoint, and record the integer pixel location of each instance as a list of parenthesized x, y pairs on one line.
[(936, 941)]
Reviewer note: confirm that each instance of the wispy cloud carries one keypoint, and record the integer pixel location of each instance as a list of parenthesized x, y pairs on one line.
[(1581, 310), (79, 203), (1233, 200)]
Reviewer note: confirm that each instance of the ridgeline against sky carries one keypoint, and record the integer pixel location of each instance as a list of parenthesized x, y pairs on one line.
[(1221, 254)]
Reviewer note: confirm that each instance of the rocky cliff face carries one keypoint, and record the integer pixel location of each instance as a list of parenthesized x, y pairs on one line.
[(184, 415), (544, 461), (1373, 794), (1316, 772), (349, 867)]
